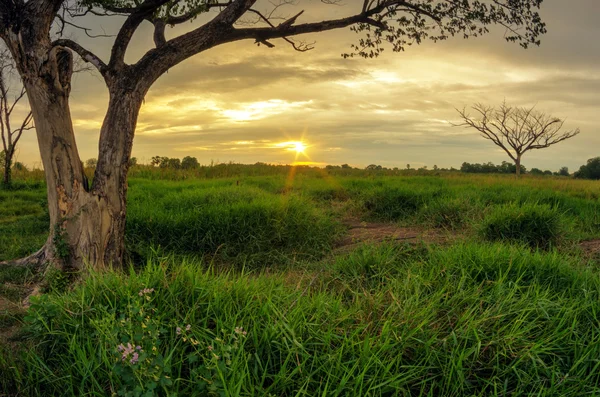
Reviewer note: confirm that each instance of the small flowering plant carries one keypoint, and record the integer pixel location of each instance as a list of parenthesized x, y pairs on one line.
[(138, 360), (145, 345), (130, 353)]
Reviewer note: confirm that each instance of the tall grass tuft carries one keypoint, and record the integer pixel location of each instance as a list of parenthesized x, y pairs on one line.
[(397, 202), (536, 225)]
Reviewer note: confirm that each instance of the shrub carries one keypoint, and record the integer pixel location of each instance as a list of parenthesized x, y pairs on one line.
[(538, 226), (189, 163), (397, 202)]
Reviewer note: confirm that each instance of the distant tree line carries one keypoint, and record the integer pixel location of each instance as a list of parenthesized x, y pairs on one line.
[(91, 163), (490, 168), (507, 168), (591, 170), (187, 163)]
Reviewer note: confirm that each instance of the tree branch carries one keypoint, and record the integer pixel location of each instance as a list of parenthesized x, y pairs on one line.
[(133, 21), (85, 54)]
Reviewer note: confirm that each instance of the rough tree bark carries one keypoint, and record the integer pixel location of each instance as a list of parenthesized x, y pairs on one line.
[(6, 178)]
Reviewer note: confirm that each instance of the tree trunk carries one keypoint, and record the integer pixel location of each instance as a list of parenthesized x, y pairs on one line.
[(69, 203), (87, 225), (6, 179), (110, 178), (518, 165)]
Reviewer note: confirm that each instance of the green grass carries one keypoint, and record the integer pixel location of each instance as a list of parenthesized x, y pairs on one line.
[(539, 226), (468, 320), (240, 223), (23, 221), (234, 246)]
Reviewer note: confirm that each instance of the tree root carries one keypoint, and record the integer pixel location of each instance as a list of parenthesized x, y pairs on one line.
[(35, 261)]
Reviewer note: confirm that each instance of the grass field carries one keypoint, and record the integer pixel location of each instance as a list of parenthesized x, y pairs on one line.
[(261, 281)]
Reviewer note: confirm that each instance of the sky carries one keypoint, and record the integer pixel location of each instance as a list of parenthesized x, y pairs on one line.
[(244, 103)]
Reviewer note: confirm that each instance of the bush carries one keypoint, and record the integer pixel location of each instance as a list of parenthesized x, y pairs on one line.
[(189, 163), (538, 226)]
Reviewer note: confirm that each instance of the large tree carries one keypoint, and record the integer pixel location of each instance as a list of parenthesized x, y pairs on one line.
[(90, 219), (516, 130)]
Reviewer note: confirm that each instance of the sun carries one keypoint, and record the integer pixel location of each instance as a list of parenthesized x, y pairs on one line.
[(299, 147), (293, 146)]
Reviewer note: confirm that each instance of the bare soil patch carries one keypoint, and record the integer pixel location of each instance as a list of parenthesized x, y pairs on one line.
[(360, 232), (591, 247)]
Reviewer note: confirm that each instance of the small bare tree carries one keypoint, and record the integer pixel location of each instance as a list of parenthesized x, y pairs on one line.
[(8, 103), (516, 129)]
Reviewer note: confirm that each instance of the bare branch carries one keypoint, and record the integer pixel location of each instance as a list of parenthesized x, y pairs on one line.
[(86, 55)]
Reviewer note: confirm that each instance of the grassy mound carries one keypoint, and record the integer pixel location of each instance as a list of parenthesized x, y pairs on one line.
[(473, 319), (240, 223), (539, 226), (397, 202)]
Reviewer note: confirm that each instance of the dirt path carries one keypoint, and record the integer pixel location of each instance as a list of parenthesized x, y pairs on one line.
[(591, 247), (374, 232)]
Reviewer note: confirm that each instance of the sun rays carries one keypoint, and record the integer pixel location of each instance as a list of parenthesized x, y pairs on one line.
[(293, 146)]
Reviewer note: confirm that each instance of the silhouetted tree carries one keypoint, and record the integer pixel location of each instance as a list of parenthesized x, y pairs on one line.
[(155, 161), (18, 166), (174, 163), (188, 163), (515, 129), (91, 163), (564, 171), (536, 171)]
